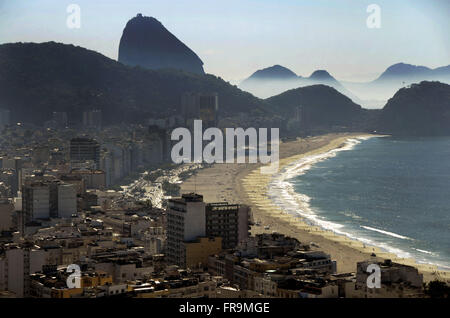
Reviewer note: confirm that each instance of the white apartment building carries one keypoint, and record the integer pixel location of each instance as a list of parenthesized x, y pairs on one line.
[(16, 265), (186, 220)]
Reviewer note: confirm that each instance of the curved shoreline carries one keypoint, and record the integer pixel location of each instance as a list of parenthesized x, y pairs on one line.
[(282, 192), (243, 183)]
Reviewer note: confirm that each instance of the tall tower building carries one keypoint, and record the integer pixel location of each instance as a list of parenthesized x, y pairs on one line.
[(200, 106), (92, 119), (60, 119), (231, 222), (67, 200), (186, 221), (36, 201), (208, 109), (18, 262), (47, 199), (6, 213), (83, 150)]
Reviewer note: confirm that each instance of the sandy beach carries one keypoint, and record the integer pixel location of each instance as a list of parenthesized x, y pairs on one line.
[(243, 183)]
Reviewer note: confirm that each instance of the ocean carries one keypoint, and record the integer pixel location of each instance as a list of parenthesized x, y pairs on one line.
[(389, 192)]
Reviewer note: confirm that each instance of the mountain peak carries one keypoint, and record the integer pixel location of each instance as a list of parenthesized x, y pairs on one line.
[(321, 75), (147, 43), (274, 72), (144, 20), (403, 69)]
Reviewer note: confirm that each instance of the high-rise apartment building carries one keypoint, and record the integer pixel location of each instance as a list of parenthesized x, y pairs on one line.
[(60, 119), (36, 201), (92, 119), (46, 199), (208, 109), (6, 214), (200, 106), (16, 265), (231, 222), (67, 200), (83, 150), (192, 223), (186, 221)]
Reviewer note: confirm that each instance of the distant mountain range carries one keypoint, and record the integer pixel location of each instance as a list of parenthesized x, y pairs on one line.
[(395, 77), (408, 73), (38, 79), (146, 42), (277, 79)]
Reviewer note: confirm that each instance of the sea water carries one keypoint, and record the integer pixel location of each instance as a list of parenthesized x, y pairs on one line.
[(389, 192)]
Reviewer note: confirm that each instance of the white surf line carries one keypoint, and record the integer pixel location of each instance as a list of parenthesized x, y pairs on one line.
[(386, 233), (423, 251)]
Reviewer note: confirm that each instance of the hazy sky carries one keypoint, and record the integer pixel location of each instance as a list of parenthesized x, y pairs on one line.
[(236, 37)]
